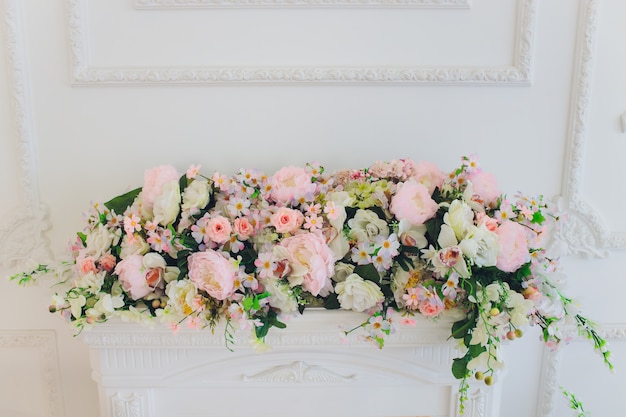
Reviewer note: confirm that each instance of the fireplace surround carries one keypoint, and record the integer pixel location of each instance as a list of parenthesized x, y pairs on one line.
[(306, 370)]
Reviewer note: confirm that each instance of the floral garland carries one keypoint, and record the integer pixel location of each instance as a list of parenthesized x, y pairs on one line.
[(397, 236)]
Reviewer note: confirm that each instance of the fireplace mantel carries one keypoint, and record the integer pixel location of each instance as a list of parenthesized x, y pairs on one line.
[(307, 371)]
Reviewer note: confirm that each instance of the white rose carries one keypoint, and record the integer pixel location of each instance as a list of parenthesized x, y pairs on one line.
[(366, 226), (459, 217), (357, 294), (342, 271), (196, 195), (138, 246), (167, 204), (99, 241)]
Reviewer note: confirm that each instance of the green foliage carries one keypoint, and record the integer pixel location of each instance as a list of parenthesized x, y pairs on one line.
[(120, 203), (368, 272), (27, 277)]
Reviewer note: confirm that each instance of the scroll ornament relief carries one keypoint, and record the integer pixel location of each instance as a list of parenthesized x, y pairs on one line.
[(129, 405), (298, 372), (587, 233)]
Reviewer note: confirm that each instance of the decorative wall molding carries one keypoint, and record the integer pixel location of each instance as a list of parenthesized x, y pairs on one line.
[(22, 236), (298, 372), (205, 4), (518, 73), (587, 233), (44, 342), (549, 384)]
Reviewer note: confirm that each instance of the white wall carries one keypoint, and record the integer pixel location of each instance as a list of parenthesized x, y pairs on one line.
[(92, 92)]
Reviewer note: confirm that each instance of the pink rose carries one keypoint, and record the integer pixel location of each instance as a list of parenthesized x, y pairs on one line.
[(290, 184), (107, 262), (213, 273), (86, 264), (431, 307), (412, 202), (243, 228), (154, 180), (429, 175), (311, 263), (218, 229), (287, 220), (513, 247), (132, 274), (484, 186)]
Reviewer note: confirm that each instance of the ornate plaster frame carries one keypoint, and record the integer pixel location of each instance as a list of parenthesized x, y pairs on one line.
[(586, 233), (23, 236), (519, 73), (549, 384), (44, 341)]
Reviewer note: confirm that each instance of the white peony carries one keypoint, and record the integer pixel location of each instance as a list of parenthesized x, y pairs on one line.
[(412, 234), (99, 241), (167, 204), (357, 294)]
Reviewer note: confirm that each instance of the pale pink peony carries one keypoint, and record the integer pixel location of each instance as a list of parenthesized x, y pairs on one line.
[(213, 273), (154, 180), (429, 175), (412, 202), (132, 275), (311, 263), (218, 229), (287, 220), (243, 228), (291, 183), (485, 186), (513, 246)]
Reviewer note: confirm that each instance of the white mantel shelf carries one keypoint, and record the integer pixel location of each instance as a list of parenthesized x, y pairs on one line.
[(308, 371)]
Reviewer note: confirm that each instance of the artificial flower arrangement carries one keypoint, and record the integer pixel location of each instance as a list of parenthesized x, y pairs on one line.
[(250, 249)]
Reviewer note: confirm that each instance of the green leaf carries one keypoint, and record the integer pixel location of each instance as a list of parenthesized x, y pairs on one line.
[(332, 302), (538, 218), (261, 332), (368, 272), (82, 237), (183, 182), (433, 226), (475, 350), (462, 327), (459, 367), (120, 203), (247, 303)]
